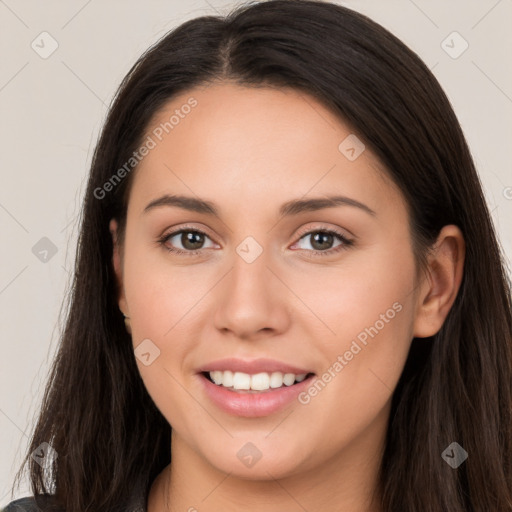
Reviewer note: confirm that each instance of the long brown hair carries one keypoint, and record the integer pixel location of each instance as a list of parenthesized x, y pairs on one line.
[(456, 385)]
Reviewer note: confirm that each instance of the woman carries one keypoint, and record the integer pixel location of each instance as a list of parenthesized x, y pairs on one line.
[(285, 255)]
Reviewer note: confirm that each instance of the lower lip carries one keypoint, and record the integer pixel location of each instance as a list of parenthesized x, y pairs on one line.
[(252, 405)]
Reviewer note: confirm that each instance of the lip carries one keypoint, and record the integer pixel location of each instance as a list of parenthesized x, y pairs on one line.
[(251, 366), (252, 405)]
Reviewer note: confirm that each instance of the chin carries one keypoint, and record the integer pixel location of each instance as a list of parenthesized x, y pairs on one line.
[(255, 457)]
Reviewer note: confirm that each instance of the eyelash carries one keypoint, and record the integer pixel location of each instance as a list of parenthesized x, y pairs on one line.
[(346, 243)]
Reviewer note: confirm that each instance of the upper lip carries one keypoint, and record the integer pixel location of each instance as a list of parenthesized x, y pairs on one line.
[(252, 366)]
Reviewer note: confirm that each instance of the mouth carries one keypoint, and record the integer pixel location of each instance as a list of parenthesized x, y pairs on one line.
[(262, 382), (256, 394), (252, 388)]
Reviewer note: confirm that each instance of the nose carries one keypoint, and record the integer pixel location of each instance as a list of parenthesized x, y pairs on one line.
[(251, 301)]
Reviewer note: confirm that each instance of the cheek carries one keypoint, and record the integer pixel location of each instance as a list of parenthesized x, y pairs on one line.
[(166, 308), (163, 302), (361, 295), (162, 295), (368, 310)]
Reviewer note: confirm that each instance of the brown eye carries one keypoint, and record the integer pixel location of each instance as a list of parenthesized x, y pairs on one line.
[(191, 241), (321, 241)]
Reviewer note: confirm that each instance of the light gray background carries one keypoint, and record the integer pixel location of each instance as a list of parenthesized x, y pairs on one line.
[(51, 111)]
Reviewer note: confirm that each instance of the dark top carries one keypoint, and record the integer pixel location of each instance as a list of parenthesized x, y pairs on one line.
[(136, 502)]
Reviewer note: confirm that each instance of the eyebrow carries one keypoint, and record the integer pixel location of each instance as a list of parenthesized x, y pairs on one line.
[(289, 208)]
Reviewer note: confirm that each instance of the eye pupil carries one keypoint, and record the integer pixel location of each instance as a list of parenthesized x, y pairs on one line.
[(320, 239), (192, 237)]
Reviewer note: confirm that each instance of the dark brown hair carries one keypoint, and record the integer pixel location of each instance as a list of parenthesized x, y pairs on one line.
[(456, 385)]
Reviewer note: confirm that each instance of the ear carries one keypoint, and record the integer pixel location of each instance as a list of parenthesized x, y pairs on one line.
[(118, 267), (441, 283)]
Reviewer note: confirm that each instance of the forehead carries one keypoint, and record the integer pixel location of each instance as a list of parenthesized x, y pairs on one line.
[(266, 143)]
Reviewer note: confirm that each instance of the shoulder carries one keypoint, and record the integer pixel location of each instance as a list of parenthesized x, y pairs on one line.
[(46, 503), (29, 504)]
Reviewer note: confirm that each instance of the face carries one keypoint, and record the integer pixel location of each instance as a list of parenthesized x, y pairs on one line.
[(269, 279)]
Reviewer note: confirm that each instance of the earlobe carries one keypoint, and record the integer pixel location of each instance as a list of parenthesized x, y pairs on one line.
[(116, 262), (440, 286)]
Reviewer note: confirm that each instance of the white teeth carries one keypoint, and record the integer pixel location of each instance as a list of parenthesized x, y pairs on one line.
[(227, 379), (241, 380), (216, 376), (260, 381), (257, 382), (276, 380), (289, 379)]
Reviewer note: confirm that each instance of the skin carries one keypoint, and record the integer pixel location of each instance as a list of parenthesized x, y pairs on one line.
[(249, 150)]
